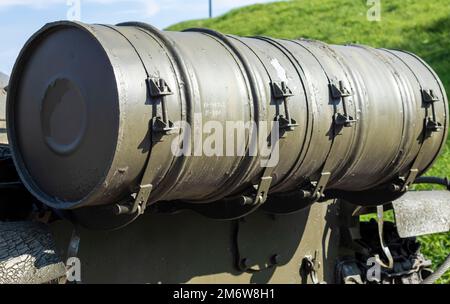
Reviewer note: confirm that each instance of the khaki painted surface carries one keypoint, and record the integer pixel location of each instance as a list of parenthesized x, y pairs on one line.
[(189, 248)]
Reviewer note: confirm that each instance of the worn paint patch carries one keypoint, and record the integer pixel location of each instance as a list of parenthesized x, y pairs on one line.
[(281, 72)]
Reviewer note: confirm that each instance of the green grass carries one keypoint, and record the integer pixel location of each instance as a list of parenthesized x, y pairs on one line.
[(422, 27)]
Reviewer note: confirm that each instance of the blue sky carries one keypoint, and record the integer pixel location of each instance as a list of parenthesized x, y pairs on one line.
[(19, 19)]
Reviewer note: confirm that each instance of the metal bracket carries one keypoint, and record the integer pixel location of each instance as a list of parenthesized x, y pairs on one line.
[(339, 91), (159, 88), (281, 91), (262, 189), (319, 186), (410, 178), (428, 96), (137, 205), (386, 251), (431, 123), (142, 198)]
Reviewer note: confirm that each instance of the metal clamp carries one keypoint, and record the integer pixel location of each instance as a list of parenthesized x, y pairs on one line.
[(339, 91), (431, 125), (159, 88), (262, 188), (281, 91)]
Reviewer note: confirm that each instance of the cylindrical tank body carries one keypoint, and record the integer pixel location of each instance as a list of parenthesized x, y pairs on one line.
[(88, 105)]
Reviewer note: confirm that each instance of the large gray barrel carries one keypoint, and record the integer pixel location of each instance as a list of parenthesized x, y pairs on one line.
[(91, 111)]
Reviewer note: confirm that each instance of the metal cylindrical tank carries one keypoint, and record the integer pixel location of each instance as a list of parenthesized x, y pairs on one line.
[(92, 112)]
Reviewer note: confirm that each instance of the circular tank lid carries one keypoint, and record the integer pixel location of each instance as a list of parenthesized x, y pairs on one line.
[(63, 115)]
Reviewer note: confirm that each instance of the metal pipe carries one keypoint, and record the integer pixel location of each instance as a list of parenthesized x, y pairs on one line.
[(439, 272), (433, 180)]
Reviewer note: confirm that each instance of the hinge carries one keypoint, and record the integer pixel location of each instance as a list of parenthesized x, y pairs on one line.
[(344, 120), (339, 90), (428, 96), (158, 87), (433, 125), (281, 90)]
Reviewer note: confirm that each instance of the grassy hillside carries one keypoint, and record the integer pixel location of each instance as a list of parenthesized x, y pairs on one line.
[(422, 27)]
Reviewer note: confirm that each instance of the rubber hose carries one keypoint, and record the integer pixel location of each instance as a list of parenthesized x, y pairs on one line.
[(433, 180)]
